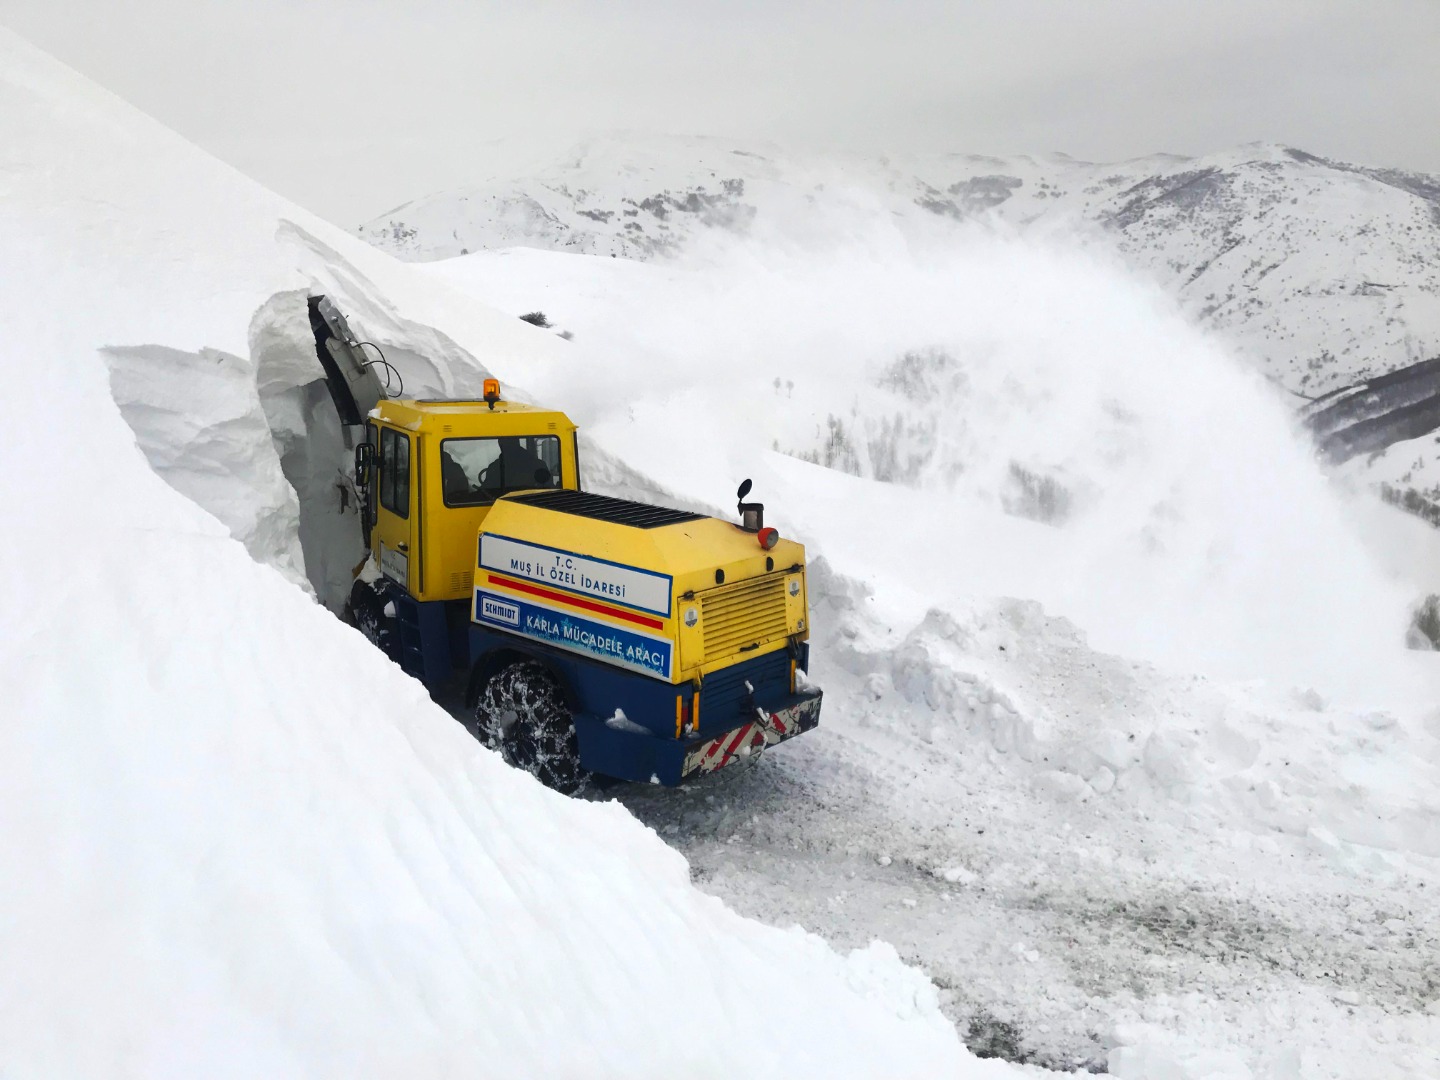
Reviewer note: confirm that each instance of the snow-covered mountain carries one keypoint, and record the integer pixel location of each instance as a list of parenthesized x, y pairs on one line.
[(1319, 271)]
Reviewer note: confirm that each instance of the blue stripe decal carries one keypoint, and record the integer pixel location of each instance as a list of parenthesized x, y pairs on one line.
[(562, 630)]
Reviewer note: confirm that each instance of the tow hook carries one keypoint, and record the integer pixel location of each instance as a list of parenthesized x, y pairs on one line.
[(761, 716)]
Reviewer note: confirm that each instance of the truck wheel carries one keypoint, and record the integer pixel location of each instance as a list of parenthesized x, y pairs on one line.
[(367, 609), (522, 714)]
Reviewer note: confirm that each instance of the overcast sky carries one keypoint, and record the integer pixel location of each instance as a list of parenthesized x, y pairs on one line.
[(352, 106)]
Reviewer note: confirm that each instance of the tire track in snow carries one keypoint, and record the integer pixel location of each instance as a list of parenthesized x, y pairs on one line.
[(1060, 929)]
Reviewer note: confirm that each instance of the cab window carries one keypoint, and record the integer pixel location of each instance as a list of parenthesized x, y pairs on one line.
[(395, 472), (474, 472)]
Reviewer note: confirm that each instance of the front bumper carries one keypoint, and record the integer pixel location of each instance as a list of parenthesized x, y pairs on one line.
[(707, 755), (646, 757)]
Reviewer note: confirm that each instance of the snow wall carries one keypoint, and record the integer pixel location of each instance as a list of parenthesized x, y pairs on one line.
[(237, 842)]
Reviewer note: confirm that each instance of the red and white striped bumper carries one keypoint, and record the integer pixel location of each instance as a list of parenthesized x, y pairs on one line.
[(752, 737)]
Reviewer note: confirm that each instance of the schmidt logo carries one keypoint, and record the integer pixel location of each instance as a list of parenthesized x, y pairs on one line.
[(490, 608)]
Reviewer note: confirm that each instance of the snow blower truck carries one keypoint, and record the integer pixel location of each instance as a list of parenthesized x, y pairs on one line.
[(594, 635)]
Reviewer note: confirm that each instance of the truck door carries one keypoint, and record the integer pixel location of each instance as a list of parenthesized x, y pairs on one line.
[(397, 517)]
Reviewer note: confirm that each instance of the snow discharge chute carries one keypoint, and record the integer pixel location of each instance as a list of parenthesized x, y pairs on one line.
[(348, 372)]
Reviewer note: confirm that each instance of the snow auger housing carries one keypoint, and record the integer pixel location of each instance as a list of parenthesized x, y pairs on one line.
[(676, 643)]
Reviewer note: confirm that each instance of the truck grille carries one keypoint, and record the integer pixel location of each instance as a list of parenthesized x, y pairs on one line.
[(747, 613)]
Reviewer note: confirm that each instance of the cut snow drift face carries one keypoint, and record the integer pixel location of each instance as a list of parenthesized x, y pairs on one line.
[(198, 419), (256, 440)]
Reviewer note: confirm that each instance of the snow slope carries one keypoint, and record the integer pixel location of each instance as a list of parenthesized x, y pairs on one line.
[(1320, 273), (1122, 741), (235, 842)]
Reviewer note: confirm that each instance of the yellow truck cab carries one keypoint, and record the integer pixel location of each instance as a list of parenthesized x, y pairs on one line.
[(593, 634), (441, 466)]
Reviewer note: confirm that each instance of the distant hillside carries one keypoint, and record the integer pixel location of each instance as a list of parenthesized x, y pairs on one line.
[(1321, 273)]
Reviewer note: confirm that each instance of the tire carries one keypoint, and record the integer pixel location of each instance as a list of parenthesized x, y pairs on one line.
[(367, 610), (521, 713)]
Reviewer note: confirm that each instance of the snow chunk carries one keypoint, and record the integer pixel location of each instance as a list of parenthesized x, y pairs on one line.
[(956, 875), (621, 722)]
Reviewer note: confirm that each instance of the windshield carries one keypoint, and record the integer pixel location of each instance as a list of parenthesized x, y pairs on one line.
[(474, 472)]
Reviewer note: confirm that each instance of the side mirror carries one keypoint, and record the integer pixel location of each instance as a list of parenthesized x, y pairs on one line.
[(364, 464)]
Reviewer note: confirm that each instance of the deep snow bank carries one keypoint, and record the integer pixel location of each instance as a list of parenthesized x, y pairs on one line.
[(1003, 682), (235, 843), (248, 845)]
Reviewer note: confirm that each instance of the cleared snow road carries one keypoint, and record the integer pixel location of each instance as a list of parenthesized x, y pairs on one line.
[(1190, 915), (1059, 932)]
